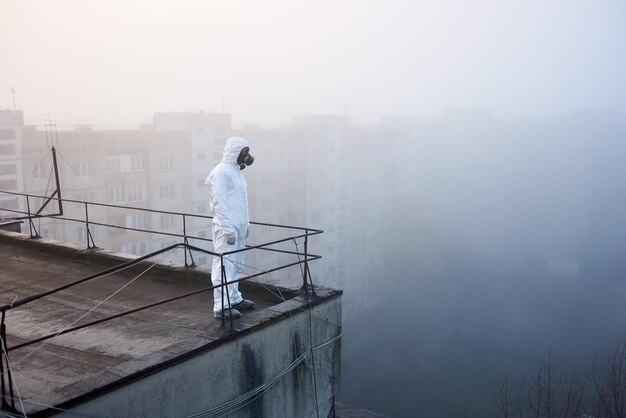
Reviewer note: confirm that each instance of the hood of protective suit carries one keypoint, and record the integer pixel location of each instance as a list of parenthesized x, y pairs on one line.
[(233, 147)]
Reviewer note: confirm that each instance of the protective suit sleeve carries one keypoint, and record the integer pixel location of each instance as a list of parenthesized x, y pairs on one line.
[(218, 189)]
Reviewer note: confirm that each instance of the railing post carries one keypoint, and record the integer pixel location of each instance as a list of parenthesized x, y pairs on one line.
[(56, 177), (91, 244), (306, 259), (31, 225), (186, 241), (306, 272), (224, 280), (4, 357)]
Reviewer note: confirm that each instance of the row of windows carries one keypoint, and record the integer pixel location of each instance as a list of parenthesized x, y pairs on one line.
[(125, 163), (87, 168), (121, 164), (126, 193), (167, 191), (136, 163)]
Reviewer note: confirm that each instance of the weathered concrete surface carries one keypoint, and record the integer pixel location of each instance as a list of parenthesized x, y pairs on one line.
[(170, 360)]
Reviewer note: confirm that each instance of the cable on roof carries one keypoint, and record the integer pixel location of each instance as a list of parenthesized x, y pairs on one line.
[(308, 302), (310, 327), (248, 397), (280, 294), (40, 162), (12, 375), (95, 307)]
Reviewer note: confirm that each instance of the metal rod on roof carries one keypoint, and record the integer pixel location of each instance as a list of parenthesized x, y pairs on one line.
[(56, 178), (4, 354)]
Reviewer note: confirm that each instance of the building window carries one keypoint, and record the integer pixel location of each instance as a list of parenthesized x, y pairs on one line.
[(167, 220), (166, 163), (116, 194), (113, 165), (136, 221), (137, 163), (129, 193), (86, 168), (167, 191), (134, 192)]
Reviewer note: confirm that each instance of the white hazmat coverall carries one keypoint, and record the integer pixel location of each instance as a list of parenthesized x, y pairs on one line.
[(228, 193)]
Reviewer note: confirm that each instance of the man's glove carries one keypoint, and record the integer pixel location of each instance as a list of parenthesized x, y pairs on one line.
[(230, 239)]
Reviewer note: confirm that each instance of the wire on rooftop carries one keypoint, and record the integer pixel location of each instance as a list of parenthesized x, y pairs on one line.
[(94, 308), (12, 375)]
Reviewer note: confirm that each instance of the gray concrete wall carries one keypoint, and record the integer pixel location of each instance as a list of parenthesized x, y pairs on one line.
[(236, 367)]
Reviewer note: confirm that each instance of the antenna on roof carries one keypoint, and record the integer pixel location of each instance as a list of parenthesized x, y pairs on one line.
[(51, 139), (13, 91)]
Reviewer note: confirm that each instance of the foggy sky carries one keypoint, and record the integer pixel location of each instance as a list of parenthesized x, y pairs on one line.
[(265, 61)]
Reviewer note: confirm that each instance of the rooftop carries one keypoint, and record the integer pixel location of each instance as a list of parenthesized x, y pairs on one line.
[(78, 365)]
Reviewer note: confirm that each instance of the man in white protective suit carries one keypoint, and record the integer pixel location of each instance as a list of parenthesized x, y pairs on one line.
[(228, 193)]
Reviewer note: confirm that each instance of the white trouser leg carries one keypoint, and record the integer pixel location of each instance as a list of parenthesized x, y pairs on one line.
[(233, 266)]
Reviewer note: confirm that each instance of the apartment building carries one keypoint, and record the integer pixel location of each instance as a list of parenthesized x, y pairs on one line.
[(186, 147), (160, 167), (11, 178)]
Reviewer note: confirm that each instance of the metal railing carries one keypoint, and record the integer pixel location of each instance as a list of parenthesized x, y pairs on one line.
[(303, 261)]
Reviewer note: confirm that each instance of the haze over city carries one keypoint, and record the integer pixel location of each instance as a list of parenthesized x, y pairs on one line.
[(465, 159), (266, 61)]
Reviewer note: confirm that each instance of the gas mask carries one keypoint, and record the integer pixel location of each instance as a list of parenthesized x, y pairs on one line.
[(245, 158)]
